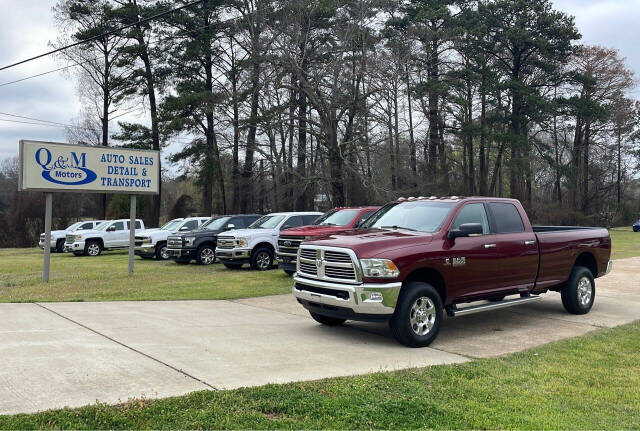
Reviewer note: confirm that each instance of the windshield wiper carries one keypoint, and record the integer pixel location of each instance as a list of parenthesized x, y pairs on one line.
[(398, 227)]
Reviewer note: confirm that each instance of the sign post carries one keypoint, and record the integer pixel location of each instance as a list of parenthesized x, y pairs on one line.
[(132, 232), (56, 167), (47, 236)]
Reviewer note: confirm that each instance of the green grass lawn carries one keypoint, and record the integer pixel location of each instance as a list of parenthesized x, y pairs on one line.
[(589, 382), (625, 243), (105, 278)]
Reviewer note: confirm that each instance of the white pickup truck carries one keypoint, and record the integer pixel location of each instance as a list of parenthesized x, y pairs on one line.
[(256, 245), (152, 243), (58, 236), (109, 235)]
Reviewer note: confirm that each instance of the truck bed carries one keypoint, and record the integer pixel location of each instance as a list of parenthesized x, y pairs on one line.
[(561, 246)]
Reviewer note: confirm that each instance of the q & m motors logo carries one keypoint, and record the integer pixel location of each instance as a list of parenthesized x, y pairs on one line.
[(70, 170)]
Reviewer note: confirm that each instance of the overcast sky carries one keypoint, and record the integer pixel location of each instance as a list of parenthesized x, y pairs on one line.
[(27, 27)]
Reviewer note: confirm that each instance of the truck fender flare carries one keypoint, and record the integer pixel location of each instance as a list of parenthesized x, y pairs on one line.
[(431, 276)]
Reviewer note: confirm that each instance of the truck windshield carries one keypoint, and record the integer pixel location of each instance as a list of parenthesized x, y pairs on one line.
[(216, 224), (267, 222), (170, 225), (423, 216), (337, 218), (74, 226), (103, 225)]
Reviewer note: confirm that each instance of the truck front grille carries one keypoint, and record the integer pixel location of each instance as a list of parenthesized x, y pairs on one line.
[(174, 242), (328, 264), (289, 244), (227, 242), (70, 238)]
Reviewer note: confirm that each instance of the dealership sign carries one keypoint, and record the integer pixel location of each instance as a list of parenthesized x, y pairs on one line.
[(55, 167)]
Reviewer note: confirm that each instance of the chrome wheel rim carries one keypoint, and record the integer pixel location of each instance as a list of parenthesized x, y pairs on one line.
[(207, 256), (585, 291), (93, 249), (422, 316), (263, 260), (164, 255)]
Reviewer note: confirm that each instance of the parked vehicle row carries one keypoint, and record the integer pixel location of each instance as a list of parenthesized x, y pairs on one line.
[(58, 237), (406, 263)]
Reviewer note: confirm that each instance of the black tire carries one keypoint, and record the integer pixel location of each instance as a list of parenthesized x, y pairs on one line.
[(206, 255), (60, 246), (233, 265), (262, 259), (579, 292), (417, 329), (182, 261), (161, 251), (326, 320), (92, 248), (289, 272)]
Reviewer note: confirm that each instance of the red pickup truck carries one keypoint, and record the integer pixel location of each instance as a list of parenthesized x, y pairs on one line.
[(417, 258), (334, 221)]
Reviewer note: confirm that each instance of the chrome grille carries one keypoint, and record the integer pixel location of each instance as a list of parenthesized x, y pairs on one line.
[(174, 242), (227, 242), (328, 264), (289, 244), (41, 237), (70, 238)]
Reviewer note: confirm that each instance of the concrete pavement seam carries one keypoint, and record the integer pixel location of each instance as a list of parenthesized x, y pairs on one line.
[(146, 355)]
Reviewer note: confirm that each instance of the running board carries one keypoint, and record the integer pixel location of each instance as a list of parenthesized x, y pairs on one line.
[(494, 305)]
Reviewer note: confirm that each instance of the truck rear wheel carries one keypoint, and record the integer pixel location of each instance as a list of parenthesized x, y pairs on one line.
[(579, 292), (92, 248), (326, 320), (418, 315)]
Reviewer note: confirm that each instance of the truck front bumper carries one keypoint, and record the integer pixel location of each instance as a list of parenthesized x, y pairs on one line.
[(181, 253), (145, 250), (76, 246), (365, 301), (52, 244), (233, 255), (286, 261)]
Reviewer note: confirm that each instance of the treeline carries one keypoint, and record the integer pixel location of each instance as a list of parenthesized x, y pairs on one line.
[(280, 105)]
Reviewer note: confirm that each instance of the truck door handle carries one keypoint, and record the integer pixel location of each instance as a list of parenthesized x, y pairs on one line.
[(489, 246), (529, 242)]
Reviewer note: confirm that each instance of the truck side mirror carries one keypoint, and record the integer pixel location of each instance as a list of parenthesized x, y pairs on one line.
[(466, 229), (183, 228), (231, 226), (111, 229)]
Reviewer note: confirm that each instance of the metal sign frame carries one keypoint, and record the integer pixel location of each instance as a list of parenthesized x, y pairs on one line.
[(49, 201)]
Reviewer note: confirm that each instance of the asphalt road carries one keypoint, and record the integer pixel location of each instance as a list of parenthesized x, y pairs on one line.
[(72, 354)]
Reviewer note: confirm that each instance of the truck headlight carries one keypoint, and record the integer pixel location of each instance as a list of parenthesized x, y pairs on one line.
[(146, 240), (242, 242), (379, 268), (189, 241)]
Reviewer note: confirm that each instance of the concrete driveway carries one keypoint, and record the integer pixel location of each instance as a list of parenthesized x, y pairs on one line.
[(72, 354)]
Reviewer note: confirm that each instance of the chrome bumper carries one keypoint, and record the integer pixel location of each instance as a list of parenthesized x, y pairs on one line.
[(365, 298), (145, 248), (609, 267), (233, 253)]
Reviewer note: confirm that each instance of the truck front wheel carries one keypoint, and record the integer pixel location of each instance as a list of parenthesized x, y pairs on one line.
[(579, 292), (418, 315), (60, 245), (92, 248), (326, 320), (206, 255), (161, 251), (262, 259)]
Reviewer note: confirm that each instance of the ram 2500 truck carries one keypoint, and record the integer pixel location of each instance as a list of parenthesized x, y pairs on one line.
[(256, 245), (58, 237), (110, 235), (336, 220), (152, 243), (200, 244), (417, 258)]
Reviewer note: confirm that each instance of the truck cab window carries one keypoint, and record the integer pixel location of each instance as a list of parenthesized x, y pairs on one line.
[(506, 218), (87, 225), (472, 213), (237, 222), (191, 224), (293, 221), (118, 225)]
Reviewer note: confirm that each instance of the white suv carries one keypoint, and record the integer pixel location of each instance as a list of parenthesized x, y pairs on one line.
[(256, 245), (109, 235), (153, 242), (58, 236)]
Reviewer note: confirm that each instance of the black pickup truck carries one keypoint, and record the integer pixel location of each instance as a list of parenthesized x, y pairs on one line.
[(200, 244)]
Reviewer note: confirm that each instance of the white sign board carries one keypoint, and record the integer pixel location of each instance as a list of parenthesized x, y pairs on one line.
[(55, 167)]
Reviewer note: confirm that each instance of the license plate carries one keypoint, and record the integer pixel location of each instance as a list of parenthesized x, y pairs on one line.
[(286, 259)]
